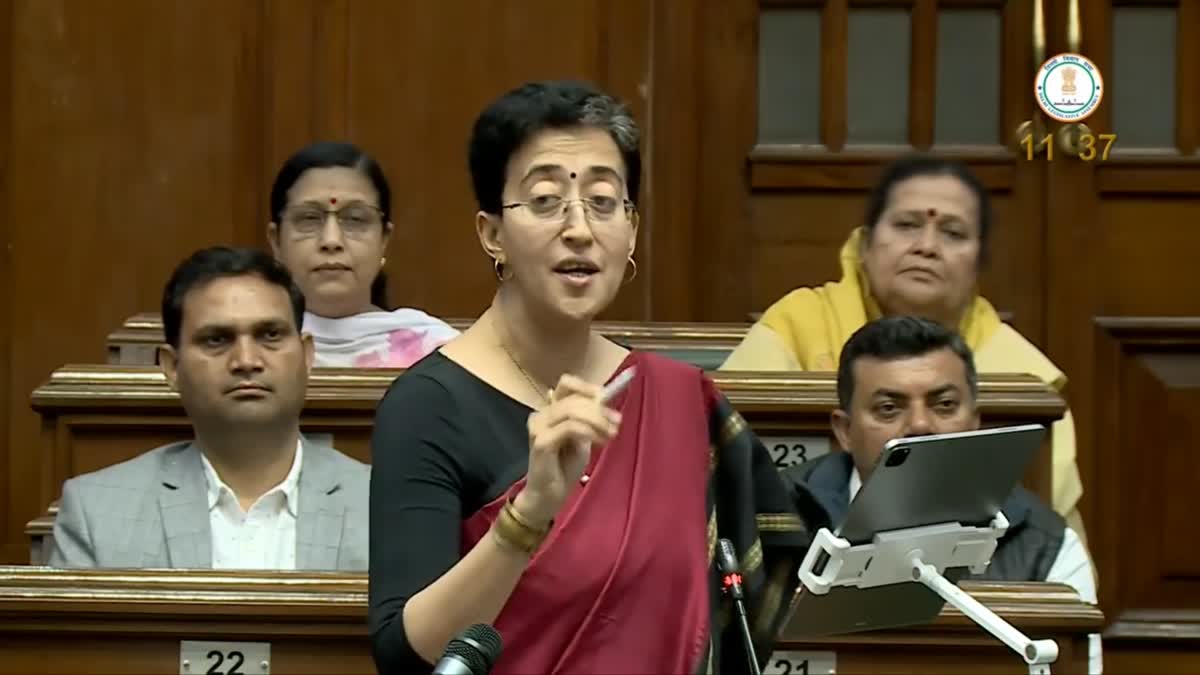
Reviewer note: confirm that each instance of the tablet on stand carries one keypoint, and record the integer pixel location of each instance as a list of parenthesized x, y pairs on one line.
[(928, 514)]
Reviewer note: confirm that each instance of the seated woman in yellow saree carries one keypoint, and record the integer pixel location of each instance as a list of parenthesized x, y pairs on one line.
[(926, 234)]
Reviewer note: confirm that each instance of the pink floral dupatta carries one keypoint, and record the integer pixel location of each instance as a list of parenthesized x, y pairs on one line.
[(395, 339)]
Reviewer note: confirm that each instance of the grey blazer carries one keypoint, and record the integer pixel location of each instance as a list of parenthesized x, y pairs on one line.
[(152, 512)]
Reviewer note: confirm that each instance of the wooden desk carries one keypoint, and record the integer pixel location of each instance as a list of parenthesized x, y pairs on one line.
[(703, 344), (40, 531), (1160, 641), (954, 644), (132, 622), (97, 415)]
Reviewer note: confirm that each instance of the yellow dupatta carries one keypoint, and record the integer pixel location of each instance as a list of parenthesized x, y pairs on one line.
[(806, 329), (845, 306)]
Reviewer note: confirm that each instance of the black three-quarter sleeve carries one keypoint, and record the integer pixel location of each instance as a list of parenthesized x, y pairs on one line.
[(417, 482)]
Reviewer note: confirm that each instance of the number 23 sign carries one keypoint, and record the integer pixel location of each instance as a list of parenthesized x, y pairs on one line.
[(790, 450)]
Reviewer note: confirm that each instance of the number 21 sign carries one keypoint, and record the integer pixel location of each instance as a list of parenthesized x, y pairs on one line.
[(801, 663)]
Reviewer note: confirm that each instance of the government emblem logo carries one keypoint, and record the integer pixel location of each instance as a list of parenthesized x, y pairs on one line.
[(1069, 87)]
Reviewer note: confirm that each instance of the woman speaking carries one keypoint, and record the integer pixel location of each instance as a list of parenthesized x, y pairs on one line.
[(508, 488)]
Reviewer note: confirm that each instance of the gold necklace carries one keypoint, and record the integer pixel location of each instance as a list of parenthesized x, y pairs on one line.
[(587, 474), (511, 357)]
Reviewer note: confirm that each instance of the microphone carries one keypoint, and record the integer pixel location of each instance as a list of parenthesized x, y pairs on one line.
[(473, 652), (727, 563)]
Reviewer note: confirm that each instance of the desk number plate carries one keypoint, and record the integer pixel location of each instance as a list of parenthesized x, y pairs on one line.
[(802, 663), (790, 450), (224, 658)]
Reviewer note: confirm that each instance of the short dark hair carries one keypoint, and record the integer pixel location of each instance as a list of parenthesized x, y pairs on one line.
[(511, 120), (218, 262), (899, 337), (326, 155), (914, 165)]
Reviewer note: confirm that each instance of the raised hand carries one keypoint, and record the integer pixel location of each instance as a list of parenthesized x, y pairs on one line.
[(561, 437)]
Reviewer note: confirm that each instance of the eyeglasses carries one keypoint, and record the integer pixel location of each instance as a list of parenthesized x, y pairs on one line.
[(553, 209), (355, 219)]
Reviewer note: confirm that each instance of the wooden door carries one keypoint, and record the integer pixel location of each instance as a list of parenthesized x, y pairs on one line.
[(801, 105), (1124, 296), (843, 87)]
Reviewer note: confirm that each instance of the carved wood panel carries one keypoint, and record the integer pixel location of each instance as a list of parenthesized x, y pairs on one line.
[(1147, 378)]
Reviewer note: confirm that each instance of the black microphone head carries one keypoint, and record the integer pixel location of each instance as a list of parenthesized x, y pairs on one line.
[(727, 560), (479, 645)]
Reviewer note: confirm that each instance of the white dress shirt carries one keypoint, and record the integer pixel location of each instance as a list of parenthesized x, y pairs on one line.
[(263, 538), (1071, 566)]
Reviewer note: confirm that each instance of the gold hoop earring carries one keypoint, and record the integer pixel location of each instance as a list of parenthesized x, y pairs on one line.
[(498, 265), (383, 261), (632, 263)]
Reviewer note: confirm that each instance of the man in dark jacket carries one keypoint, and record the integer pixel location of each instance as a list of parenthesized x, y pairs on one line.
[(903, 376)]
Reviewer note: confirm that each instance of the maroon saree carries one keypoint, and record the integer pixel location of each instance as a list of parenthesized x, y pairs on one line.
[(625, 582)]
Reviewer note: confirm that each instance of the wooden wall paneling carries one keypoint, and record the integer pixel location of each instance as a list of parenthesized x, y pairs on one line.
[(1073, 271), (133, 125), (307, 54), (1018, 71), (305, 61), (246, 88), (416, 120), (1187, 63), (1147, 445), (1138, 640), (6, 279), (671, 236), (834, 18), (720, 264), (1147, 181), (624, 66), (923, 73), (1119, 296), (1115, 241), (412, 101), (1019, 258)]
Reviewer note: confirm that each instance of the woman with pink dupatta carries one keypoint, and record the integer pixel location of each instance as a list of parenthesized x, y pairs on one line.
[(504, 490), (331, 221)]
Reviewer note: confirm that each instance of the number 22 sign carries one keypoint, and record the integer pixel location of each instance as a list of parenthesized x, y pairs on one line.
[(224, 658)]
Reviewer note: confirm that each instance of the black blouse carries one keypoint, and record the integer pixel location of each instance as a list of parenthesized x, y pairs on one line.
[(445, 444)]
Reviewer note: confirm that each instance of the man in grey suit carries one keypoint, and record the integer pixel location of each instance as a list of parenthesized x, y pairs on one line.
[(250, 492)]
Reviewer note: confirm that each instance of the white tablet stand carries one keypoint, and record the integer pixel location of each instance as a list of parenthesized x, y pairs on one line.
[(921, 554)]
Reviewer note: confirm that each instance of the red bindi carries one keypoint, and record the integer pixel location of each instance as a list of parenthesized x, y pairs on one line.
[(333, 200), (932, 213)]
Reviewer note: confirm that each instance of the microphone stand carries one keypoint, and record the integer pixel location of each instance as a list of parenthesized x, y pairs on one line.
[(728, 563)]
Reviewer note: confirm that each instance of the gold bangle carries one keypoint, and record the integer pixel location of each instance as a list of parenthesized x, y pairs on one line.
[(512, 529)]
